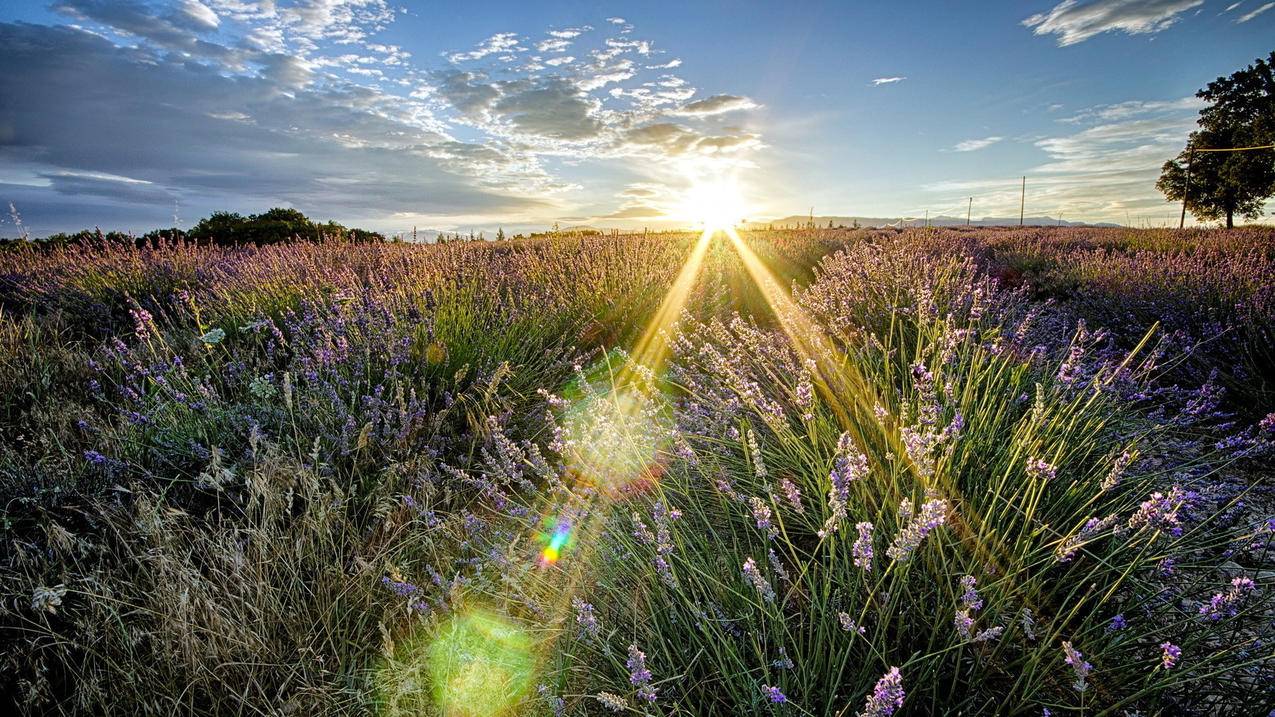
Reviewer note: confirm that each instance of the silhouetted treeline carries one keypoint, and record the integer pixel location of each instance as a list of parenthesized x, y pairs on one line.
[(220, 228)]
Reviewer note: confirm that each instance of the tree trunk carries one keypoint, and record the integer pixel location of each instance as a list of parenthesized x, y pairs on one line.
[(1230, 218)]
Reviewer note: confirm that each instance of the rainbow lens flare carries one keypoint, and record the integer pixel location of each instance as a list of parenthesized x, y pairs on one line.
[(556, 542)]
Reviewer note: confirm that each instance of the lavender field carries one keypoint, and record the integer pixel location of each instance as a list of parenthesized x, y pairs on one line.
[(801, 472)]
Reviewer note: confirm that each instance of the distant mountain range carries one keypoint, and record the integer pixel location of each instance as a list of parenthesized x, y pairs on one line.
[(937, 221)]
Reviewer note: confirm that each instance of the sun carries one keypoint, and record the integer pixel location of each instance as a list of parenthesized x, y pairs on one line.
[(715, 204)]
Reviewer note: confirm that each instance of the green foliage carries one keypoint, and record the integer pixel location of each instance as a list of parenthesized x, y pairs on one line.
[(1240, 113)]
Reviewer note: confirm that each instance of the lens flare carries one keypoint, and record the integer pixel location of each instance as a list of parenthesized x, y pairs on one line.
[(480, 664), (556, 541), (614, 427)]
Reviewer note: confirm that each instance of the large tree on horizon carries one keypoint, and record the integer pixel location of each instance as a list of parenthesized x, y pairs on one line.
[(1240, 113)]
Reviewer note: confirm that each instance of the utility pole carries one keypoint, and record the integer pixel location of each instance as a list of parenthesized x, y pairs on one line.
[(1186, 188), (1022, 201), (927, 219), (969, 209)]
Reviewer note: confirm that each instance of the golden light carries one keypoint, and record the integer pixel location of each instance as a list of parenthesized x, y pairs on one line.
[(717, 204)]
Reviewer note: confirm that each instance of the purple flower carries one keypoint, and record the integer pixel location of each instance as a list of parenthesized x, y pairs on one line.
[(886, 697), (848, 624), (862, 548), (761, 514), (773, 694), (792, 493), (1076, 659), (399, 587), (759, 582), (585, 618), (970, 596), (933, 514), (1038, 469), (1117, 623), (1227, 604), (848, 466), (95, 458), (1169, 655), (639, 676)]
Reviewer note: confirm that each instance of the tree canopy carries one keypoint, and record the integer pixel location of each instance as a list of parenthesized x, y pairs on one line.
[(1240, 113), (223, 229)]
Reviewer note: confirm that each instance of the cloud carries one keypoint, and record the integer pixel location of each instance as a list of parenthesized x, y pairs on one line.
[(1075, 22), (331, 150), (500, 42), (1254, 13), (307, 107), (200, 15), (633, 211), (887, 81), (717, 104), (678, 141), (1096, 171), (972, 145), (1134, 108)]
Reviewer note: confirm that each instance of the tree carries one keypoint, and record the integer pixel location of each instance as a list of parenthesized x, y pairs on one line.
[(1240, 113)]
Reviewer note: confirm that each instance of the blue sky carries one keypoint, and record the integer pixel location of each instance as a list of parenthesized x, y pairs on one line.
[(455, 115)]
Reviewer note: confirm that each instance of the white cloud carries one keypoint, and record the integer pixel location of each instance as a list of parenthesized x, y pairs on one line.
[(1134, 108), (972, 145), (1096, 172), (1075, 22), (887, 81), (498, 43), (201, 14), (1254, 13), (307, 102), (717, 104)]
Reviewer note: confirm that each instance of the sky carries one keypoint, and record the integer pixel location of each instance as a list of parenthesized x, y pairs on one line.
[(456, 115)]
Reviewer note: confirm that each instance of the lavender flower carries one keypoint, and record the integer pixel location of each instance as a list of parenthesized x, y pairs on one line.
[(1117, 623), (759, 582), (1228, 604), (862, 548), (1093, 527), (784, 662), (639, 676), (399, 587), (1169, 654), (1076, 659), (613, 703), (1118, 468), (1161, 512), (848, 466), (556, 703), (761, 514), (754, 452), (886, 697), (849, 625), (1040, 470), (773, 694), (586, 618), (792, 493), (933, 514), (970, 598)]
